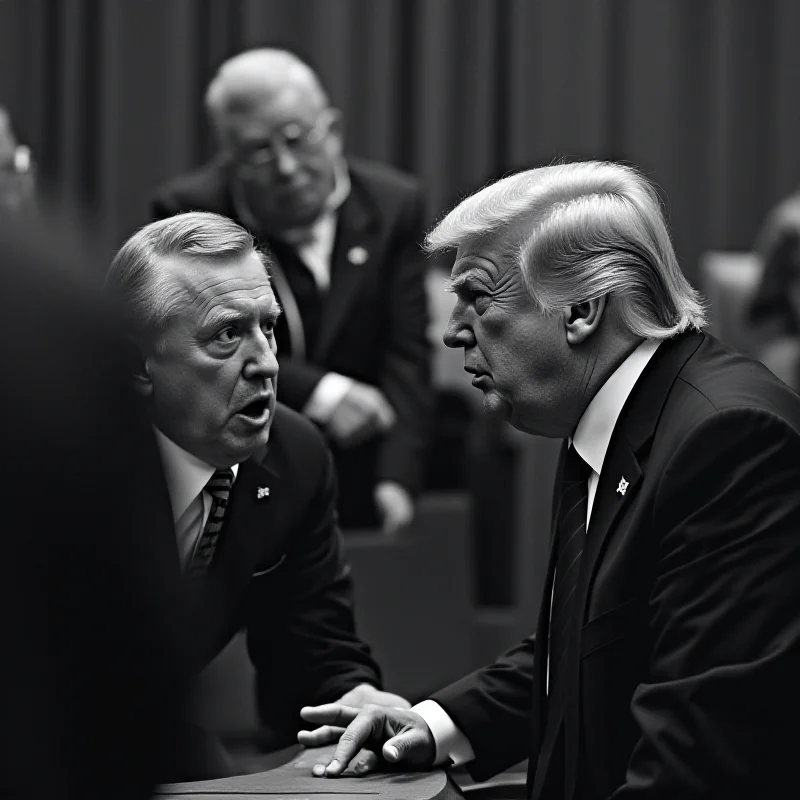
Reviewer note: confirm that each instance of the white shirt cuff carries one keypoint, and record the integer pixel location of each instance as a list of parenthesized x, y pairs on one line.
[(451, 744), (327, 394)]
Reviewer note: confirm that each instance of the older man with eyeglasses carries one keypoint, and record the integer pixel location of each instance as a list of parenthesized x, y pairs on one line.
[(352, 341)]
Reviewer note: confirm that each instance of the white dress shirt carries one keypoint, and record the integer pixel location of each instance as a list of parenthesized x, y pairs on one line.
[(591, 439), (186, 477)]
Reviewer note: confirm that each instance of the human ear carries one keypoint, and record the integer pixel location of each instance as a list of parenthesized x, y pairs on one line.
[(583, 319)]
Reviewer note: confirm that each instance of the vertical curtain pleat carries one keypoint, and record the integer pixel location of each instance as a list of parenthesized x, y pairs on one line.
[(704, 96)]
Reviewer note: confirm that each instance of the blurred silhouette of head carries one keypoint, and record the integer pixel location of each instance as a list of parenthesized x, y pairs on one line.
[(92, 658), (17, 184), (8, 142), (279, 135)]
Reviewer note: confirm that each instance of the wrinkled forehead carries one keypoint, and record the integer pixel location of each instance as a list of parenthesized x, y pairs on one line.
[(204, 284), (494, 253)]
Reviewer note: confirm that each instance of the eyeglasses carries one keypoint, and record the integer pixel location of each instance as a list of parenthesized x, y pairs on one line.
[(294, 138)]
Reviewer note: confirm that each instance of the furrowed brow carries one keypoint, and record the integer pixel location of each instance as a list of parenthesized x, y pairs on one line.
[(229, 317), (274, 312), (457, 282)]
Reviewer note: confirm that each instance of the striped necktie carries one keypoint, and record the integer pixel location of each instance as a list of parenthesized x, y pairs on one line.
[(219, 487)]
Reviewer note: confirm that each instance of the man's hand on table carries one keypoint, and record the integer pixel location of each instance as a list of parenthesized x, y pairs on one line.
[(373, 733), (362, 695)]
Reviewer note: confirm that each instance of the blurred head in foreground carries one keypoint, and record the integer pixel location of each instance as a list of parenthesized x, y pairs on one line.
[(90, 623)]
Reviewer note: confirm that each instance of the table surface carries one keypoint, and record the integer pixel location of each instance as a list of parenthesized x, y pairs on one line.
[(291, 779)]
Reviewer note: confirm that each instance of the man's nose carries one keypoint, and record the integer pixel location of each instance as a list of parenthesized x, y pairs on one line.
[(286, 162), (263, 362), (456, 333)]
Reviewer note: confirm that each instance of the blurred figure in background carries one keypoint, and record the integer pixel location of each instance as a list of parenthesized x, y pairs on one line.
[(776, 306), (350, 275), (92, 688), (17, 173)]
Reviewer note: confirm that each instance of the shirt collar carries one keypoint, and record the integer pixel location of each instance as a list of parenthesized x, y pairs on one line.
[(186, 474), (593, 434)]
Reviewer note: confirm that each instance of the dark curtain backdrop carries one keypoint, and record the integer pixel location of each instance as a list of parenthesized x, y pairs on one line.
[(703, 94)]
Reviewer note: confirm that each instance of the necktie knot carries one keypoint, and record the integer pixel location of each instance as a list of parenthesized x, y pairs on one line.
[(575, 468), (219, 487)]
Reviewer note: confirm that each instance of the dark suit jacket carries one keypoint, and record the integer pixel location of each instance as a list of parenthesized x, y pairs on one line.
[(682, 682), (93, 675), (279, 572), (373, 321)]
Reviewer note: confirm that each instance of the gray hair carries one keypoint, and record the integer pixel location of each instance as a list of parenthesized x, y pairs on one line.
[(250, 76), (147, 294), (596, 229)]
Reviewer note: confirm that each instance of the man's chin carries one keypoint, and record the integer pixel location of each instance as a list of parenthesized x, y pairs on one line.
[(246, 443), (300, 211), (496, 406)]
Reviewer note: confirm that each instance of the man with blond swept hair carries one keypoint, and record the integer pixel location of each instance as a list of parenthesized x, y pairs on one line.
[(251, 485), (665, 658), (348, 270)]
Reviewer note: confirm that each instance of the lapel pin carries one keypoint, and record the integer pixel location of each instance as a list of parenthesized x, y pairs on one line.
[(357, 255), (263, 491), (623, 485)]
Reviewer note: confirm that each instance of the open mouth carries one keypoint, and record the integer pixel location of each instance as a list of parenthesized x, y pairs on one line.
[(256, 410)]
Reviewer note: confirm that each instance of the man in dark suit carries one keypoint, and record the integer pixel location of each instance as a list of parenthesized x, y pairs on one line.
[(251, 484), (349, 273), (665, 657), (91, 621)]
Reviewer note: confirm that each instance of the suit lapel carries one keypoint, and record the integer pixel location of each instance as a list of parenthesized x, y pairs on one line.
[(244, 541), (621, 473), (619, 483), (217, 192), (353, 259)]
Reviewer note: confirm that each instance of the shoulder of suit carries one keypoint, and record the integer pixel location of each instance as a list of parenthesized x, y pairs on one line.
[(375, 174), (202, 185), (720, 378), (296, 430)]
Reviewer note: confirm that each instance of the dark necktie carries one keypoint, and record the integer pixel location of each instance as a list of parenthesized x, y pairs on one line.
[(310, 301), (570, 538), (219, 487)]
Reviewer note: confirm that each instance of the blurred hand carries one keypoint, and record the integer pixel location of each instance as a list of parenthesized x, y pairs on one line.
[(395, 506), (359, 697), (374, 733), (361, 414)]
